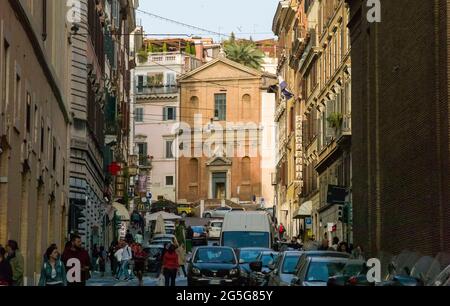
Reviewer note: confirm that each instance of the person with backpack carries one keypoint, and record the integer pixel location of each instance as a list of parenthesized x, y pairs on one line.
[(53, 272)]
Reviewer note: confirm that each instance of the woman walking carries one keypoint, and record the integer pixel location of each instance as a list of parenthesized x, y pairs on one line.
[(170, 266), (53, 273), (181, 253)]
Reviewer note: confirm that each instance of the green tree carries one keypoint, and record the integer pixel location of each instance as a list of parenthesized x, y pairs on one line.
[(245, 53), (187, 49), (193, 50), (164, 47), (150, 48)]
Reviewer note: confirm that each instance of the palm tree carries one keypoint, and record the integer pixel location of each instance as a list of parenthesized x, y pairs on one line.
[(245, 53)]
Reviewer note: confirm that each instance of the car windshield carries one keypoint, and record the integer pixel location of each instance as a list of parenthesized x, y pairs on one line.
[(198, 229), (246, 256), (352, 269), (246, 239), (215, 255), (289, 264), (321, 271), (267, 259)]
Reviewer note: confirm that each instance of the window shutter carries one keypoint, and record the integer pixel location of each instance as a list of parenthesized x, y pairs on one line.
[(174, 113), (165, 114)]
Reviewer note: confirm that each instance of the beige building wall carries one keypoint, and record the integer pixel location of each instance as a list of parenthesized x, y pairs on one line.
[(33, 128)]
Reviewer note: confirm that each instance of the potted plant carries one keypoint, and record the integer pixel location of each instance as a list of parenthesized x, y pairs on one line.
[(335, 120), (142, 56)]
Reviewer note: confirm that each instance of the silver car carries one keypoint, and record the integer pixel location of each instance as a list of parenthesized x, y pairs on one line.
[(283, 269), (219, 212)]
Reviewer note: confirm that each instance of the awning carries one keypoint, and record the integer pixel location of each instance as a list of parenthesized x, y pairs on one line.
[(121, 211), (305, 210)]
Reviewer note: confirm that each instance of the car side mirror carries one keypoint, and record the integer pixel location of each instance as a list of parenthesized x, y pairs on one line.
[(294, 281), (256, 266)]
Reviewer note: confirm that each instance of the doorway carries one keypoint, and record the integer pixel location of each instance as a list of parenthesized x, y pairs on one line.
[(219, 185)]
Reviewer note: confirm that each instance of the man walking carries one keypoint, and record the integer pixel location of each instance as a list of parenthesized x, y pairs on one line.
[(75, 250), (281, 231)]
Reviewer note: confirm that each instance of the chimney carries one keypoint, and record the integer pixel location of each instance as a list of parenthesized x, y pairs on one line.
[(199, 49)]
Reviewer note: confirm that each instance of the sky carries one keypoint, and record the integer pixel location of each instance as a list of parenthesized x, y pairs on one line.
[(243, 17)]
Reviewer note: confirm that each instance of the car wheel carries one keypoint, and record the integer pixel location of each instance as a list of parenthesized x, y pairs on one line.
[(208, 216)]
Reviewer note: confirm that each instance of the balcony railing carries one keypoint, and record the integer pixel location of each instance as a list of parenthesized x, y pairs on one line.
[(152, 90), (145, 161)]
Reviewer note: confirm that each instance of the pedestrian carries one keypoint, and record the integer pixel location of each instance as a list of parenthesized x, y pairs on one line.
[(335, 244), (15, 259), (170, 266), (180, 232), (358, 253), (129, 237), (343, 247), (181, 252), (102, 256), (140, 258), (112, 258), (76, 251), (281, 231), (294, 244), (324, 246), (95, 255), (125, 257), (139, 238), (6, 273), (53, 273), (189, 237)]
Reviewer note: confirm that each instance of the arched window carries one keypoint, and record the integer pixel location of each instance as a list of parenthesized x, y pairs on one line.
[(246, 169), (193, 170), (246, 106)]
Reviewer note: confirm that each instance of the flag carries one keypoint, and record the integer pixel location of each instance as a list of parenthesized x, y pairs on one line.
[(284, 91)]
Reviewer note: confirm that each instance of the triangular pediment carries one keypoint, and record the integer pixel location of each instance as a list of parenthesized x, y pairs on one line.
[(219, 161), (221, 68)]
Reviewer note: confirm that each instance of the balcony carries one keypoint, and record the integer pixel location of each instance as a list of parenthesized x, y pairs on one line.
[(157, 90), (344, 133), (145, 162)]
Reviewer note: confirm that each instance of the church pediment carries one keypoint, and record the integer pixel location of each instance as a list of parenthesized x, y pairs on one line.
[(219, 161)]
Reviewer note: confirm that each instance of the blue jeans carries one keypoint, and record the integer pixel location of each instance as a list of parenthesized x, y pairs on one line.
[(124, 265)]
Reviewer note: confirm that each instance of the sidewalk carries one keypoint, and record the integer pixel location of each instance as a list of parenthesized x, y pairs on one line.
[(109, 281)]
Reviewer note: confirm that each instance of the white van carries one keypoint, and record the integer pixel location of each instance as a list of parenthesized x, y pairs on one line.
[(247, 229)]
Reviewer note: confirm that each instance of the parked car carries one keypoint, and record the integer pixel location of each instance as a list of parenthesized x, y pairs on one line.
[(218, 212), (354, 273), (214, 229), (315, 271), (247, 256), (247, 229), (185, 210), (307, 254), (154, 259), (283, 268), (200, 236), (213, 266)]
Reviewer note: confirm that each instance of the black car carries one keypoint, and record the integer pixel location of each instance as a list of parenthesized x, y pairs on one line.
[(246, 256), (213, 266), (200, 236)]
